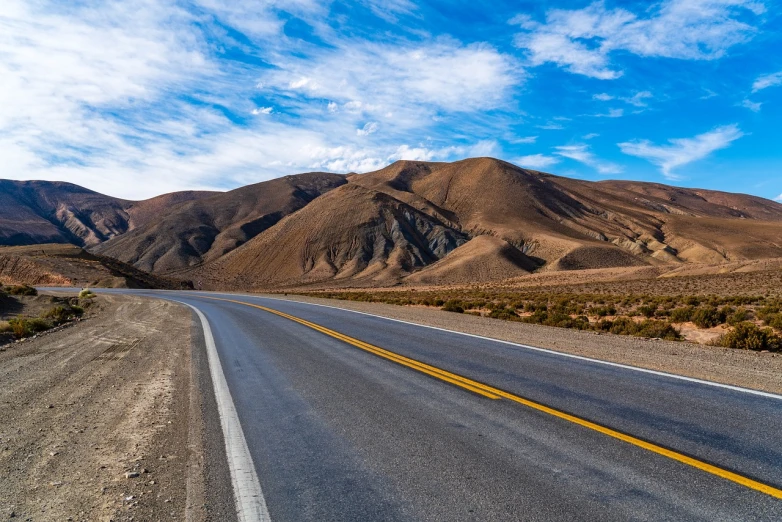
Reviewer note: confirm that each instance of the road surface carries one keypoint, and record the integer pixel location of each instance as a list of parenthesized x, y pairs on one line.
[(348, 416)]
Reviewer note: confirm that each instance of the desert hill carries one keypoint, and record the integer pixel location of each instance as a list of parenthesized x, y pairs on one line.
[(39, 212), (70, 265), (207, 228), (537, 221), (476, 220)]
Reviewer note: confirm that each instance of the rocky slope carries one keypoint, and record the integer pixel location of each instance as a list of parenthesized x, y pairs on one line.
[(37, 212), (476, 220)]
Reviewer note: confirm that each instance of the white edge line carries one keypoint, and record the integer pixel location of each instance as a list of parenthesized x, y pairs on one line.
[(535, 348), (250, 503)]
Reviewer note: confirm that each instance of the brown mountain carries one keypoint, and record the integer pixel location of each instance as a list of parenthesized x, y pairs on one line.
[(205, 229), (475, 220), (353, 236), (37, 212)]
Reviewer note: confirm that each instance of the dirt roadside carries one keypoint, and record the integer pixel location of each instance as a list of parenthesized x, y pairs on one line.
[(99, 421), (759, 371)]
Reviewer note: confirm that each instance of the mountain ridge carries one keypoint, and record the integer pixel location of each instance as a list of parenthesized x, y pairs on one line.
[(479, 219)]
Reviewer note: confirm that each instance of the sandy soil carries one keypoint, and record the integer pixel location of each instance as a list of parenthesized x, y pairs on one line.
[(96, 420), (761, 371)]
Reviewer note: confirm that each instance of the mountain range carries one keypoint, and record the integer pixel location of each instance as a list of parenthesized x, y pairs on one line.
[(476, 220)]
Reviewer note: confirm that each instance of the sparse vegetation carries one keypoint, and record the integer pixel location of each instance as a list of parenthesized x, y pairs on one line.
[(643, 315), (86, 294), (748, 336), (21, 290), (25, 327)]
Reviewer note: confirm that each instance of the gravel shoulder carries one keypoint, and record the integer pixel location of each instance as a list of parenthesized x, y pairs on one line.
[(760, 371), (99, 421)]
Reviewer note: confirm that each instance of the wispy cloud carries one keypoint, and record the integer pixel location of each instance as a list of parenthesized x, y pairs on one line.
[(582, 40), (536, 161), (582, 154), (681, 151), (369, 128), (766, 81), (749, 104), (778, 198), (612, 113)]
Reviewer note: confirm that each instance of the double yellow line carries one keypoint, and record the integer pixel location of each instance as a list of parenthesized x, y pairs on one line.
[(495, 393)]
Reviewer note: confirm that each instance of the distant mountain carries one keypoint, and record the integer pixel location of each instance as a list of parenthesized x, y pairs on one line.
[(39, 212), (207, 228), (476, 220)]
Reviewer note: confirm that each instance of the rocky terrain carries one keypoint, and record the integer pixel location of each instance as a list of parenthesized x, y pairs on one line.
[(70, 265)]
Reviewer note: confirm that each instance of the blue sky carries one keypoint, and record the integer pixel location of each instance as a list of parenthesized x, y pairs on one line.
[(139, 97)]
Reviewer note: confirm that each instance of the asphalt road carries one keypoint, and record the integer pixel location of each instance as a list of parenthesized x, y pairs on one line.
[(337, 431)]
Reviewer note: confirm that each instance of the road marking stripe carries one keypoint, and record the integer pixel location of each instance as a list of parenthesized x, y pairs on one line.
[(248, 496), (749, 391), (494, 393)]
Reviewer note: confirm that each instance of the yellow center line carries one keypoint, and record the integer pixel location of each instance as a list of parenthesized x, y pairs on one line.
[(495, 393)]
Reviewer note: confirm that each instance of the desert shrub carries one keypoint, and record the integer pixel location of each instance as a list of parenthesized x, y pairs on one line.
[(602, 311), (5, 327), (647, 310), (538, 317), (739, 316), (504, 313), (647, 328), (706, 317), (22, 327), (22, 290), (681, 314), (657, 330), (692, 301), (453, 306), (748, 336), (439, 302), (62, 314), (774, 321), (86, 294)]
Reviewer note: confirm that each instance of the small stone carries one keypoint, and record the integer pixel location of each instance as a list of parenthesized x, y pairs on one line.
[(131, 474), (50, 406)]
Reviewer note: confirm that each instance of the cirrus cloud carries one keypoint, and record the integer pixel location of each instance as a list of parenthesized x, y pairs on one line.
[(681, 151), (582, 40)]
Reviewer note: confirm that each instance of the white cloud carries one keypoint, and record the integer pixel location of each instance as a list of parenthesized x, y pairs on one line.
[(590, 136), (551, 126), (133, 99), (638, 98), (389, 9), (612, 113), (778, 198), (766, 81), (536, 161), (582, 154), (444, 75), (749, 104), (682, 151), (524, 140), (582, 40), (369, 128)]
